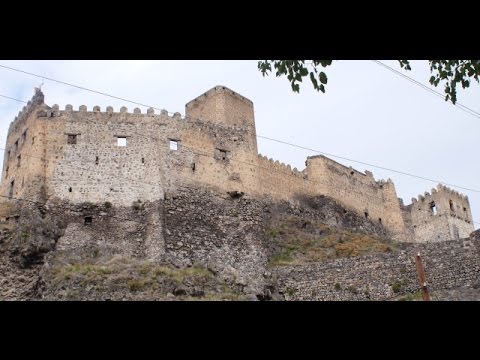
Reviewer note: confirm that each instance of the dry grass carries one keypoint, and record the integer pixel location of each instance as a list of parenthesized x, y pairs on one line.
[(302, 241)]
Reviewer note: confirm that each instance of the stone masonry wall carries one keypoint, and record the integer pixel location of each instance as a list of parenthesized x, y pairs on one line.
[(448, 264), (74, 155), (442, 215)]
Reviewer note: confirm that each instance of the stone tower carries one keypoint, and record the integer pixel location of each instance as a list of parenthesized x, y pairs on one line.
[(442, 215)]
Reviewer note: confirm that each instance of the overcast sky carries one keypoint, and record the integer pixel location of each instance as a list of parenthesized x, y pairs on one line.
[(367, 114)]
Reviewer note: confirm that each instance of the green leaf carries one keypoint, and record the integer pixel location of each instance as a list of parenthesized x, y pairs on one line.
[(314, 81), (323, 78)]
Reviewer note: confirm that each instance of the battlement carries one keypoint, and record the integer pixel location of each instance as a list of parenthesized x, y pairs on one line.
[(37, 99), (277, 166), (440, 191), (121, 155)]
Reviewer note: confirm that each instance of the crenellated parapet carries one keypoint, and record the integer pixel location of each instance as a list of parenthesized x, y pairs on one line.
[(36, 100)]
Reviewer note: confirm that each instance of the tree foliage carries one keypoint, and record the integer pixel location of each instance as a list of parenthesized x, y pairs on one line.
[(451, 73)]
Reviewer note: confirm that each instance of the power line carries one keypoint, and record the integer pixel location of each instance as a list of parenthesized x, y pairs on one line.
[(365, 163), (267, 138), (76, 86), (423, 86), (10, 98), (276, 140), (195, 152)]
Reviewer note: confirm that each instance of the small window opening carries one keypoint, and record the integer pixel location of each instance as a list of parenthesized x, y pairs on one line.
[(72, 139), (8, 155), (6, 172), (24, 136), (351, 172), (173, 145), (433, 208), (366, 214), (451, 205), (222, 154), (70, 189), (33, 140), (96, 160), (121, 141), (16, 145), (10, 190), (193, 166), (464, 209), (143, 160), (88, 220), (19, 160), (379, 220)]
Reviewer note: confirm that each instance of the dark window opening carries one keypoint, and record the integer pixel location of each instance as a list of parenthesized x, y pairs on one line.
[(23, 180), (10, 190), (465, 209), (433, 208), (72, 139), (143, 160), (366, 214), (351, 172), (96, 160), (121, 141), (451, 205), (379, 220), (19, 160), (70, 189), (6, 172), (173, 145), (222, 154), (88, 220), (24, 136), (33, 140), (16, 145), (193, 166), (8, 155)]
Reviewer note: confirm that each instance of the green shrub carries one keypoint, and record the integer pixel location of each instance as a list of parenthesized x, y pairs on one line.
[(396, 287), (108, 204)]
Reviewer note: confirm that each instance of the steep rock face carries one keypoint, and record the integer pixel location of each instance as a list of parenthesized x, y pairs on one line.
[(209, 246)]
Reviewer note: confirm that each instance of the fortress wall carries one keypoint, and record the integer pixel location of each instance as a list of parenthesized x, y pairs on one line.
[(375, 200), (448, 264), (279, 180), (95, 168), (24, 158), (441, 215), (74, 155)]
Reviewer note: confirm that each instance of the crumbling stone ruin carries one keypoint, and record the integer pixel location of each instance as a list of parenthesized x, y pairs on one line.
[(98, 157), (130, 206)]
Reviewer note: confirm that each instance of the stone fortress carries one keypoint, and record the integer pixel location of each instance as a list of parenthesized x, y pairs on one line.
[(120, 157)]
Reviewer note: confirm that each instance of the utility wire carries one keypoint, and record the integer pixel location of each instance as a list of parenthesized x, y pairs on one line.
[(195, 152), (275, 140), (425, 87), (76, 86), (368, 164), (8, 97)]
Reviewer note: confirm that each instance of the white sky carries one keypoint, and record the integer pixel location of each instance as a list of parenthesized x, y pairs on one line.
[(367, 114)]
